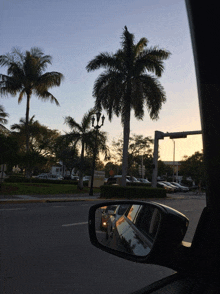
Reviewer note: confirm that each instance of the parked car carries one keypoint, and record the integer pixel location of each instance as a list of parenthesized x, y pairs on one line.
[(48, 176), (75, 178), (132, 179), (176, 189), (55, 177), (182, 188), (86, 178), (113, 180), (166, 187), (145, 181)]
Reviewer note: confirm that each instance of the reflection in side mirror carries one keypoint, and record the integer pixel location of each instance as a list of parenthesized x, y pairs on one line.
[(136, 230), (127, 228)]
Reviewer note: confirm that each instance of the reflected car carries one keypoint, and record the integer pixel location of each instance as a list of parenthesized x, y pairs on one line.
[(135, 231), (119, 211), (106, 214)]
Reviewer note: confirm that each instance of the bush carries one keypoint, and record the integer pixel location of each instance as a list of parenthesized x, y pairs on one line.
[(111, 191), (135, 184), (16, 179)]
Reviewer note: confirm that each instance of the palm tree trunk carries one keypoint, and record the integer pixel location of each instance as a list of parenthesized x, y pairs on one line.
[(125, 146), (80, 183), (27, 168)]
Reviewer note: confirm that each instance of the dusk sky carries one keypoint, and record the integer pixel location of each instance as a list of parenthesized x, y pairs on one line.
[(74, 32)]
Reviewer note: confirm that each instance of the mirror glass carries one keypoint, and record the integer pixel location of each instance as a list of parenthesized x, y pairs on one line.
[(129, 228)]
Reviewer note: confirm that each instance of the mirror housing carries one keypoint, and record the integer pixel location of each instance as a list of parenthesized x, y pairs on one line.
[(170, 232)]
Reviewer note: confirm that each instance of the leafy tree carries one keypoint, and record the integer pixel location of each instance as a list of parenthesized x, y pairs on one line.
[(193, 166), (139, 147), (164, 170), (42, 142), (83, 135), (8, 151), (26, 76), (126, 84), (3, 115), (67, 153)]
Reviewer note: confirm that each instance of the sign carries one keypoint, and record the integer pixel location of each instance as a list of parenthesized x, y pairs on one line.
[(99, 179), (141, 170), (111, 172)]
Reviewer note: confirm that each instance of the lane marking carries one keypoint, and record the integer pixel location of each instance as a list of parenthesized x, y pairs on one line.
[(13, 209), (75, 224)]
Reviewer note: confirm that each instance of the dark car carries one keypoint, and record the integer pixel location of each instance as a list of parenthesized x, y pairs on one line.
[(196, 264)]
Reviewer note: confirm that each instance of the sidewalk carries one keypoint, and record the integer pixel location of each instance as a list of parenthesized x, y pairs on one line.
[(16, 199)]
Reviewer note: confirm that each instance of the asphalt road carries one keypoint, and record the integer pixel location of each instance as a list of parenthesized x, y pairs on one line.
[(45, 248)]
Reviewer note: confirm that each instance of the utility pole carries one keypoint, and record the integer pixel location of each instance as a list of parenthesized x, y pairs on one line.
[(160, 135)]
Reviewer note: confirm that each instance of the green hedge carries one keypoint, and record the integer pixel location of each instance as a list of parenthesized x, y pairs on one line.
[(112, 191), (135, 184), (14, 179)]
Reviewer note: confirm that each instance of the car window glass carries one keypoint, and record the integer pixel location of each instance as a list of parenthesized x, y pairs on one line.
[(132, 212)]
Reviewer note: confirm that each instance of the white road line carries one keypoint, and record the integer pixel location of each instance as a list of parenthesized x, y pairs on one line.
[(75, 224), (13, 209)]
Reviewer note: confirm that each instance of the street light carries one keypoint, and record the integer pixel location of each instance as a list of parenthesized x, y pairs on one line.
[(97, 127), (173, 159)]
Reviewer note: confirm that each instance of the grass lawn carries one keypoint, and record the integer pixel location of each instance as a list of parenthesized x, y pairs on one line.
[(41, 189)]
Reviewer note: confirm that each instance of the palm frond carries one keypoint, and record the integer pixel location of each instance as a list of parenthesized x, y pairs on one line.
[(21, 96), (86, 120), (45, 96), (49, 80), (105, 60), (139, 47), (70, 121), (154, 95)]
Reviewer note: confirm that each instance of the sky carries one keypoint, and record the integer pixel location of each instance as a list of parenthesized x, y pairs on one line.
[(74, 32)]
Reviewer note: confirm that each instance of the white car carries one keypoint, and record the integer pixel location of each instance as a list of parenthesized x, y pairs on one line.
[(182, 188)]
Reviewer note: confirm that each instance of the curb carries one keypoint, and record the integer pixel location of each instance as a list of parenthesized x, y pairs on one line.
[(44, 200)]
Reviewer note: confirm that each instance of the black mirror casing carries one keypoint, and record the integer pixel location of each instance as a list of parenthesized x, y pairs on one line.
[(169, 236)]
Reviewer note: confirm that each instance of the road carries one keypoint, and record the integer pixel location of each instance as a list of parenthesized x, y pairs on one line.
[(45, 248)]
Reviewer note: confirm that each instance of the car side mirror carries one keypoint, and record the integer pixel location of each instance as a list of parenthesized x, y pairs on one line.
[(138, 231)]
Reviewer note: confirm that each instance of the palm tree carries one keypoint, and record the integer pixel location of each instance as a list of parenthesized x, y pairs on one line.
[(85, 136), (26, 76), (3, 115), (126, 84)]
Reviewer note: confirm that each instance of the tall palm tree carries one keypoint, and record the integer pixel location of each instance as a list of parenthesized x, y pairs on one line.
[(26, 76), (3, 115), (126, 84), (84, 135)]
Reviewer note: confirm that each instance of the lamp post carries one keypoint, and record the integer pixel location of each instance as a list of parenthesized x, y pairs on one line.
[(173, 159), (97, 127)]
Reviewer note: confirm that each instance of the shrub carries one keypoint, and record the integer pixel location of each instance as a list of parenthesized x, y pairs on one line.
[(15, 179), (112, 191)]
